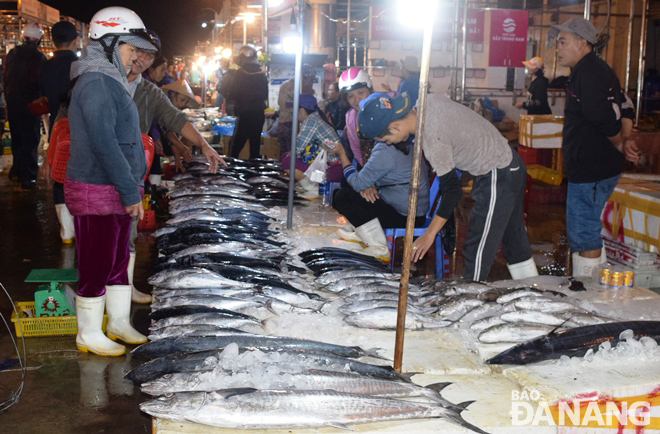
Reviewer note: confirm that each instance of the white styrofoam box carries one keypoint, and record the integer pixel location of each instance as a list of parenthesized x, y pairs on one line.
[(532, 131)]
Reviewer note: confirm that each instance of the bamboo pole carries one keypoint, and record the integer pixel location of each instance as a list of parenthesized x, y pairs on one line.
[(414, 187)]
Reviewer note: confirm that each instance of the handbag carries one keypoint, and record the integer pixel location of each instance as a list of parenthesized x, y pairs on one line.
[(316, 170), (39, 106)]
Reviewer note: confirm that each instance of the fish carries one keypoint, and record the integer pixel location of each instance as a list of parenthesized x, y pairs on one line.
[(358, 306), (466, 288), (193, 344), (185, 310), (236, 248), (485, 323), (192, 278), (217, 301), (314, 379), (217, 317), (573, 342), (458, 307), (190, 329), (544, 305), (249, 408), (333, 276), (348, 282), (512, 333), (532, 316), (208, 360), (583, 319), (385, 318), (518, 294)]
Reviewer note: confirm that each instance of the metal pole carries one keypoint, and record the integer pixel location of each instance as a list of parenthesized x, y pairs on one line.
[(244, 31), (368, 38), (642, 56), (414, 187), (454, 51), (296, 106), (464, 70), (348, 35), (264, 26), (587, 9), (629, 48)]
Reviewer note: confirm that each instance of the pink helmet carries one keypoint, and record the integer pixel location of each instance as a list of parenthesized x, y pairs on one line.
[(354, 78)]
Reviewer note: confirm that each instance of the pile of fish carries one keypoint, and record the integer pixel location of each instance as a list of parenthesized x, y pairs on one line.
[(225, 271)]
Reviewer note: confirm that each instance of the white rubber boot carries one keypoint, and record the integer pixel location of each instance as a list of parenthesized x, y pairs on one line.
[(373, 236), (349, 234), (310, 188), (584, 267), (90, 338), (603, 256), (67, 232), (136, 296), (118, 305), (523, 270)]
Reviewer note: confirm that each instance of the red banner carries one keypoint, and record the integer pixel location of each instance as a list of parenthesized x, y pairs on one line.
[(508, 38), (386, 25)]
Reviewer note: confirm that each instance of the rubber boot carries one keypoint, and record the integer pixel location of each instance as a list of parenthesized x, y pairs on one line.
[(67, 232), (603, 255), (349, 234), (154, 180), (93, 393), (373, 236), (118, 305), (584, 267), (90, 338), (310, 189), (136, 296), (523, 270)]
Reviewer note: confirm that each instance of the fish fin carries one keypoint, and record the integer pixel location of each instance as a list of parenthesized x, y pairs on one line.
[(554, 330), (373, 352), (464, 405), (340, 426), (457, 418), (407, 376), (438, 387), (269, 306)]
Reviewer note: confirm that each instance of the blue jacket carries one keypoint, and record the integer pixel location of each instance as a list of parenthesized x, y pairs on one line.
[(389, 170), (410, 85), (106, 144)]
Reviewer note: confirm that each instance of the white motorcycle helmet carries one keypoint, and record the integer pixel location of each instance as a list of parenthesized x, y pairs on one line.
[(354, 78), (33, 32), (116, 21)]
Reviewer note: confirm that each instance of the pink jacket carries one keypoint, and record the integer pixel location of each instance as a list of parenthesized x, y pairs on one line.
[(91, 199)]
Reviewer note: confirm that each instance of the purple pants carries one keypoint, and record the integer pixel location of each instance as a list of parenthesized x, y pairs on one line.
[(334, 172), (102, 244)]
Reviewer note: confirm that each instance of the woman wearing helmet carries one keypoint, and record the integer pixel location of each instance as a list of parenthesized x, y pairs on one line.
[(102, 187), (355, 85)]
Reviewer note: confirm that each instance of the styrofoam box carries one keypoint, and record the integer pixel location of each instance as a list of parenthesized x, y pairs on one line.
[(541, 129)]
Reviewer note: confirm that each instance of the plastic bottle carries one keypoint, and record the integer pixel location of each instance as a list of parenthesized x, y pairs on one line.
[(327, 191)]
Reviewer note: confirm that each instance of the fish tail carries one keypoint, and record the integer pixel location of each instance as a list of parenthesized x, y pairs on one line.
[(455, 417), (373, 352), (269, 306)]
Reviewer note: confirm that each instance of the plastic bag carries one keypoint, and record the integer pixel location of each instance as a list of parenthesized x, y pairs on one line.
[(316, 170)]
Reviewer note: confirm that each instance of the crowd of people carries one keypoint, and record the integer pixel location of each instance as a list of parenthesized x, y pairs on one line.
[(122, 89)]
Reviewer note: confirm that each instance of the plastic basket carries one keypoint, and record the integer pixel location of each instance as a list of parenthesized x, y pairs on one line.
[(45, 326), (544, 174), (60, 162), (148, 222)]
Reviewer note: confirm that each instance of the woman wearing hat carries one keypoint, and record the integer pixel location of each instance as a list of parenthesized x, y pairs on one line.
[(537, 93), (248, 88), (102, 187), (314, 129), (182, 97)]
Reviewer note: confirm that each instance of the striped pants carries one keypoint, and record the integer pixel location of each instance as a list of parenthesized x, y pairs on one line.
[(497, 217)]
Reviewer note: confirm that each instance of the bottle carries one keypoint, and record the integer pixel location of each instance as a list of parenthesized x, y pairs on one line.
[(327, 191)]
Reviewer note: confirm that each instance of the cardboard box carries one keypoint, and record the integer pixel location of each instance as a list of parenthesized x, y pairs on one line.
[(270, 148)]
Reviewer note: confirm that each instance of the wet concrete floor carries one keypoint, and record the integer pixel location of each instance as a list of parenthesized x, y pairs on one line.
[(69, 392)]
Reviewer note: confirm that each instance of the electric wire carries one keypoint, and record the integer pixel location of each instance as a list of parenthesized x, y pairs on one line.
[(15, 395)]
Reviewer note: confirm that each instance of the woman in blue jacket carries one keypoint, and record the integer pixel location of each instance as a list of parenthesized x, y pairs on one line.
[(104, 172)]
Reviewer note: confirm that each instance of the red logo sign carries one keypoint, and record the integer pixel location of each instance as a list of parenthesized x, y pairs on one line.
[(508, 38)]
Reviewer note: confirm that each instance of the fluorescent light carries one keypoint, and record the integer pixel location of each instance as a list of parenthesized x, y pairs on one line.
[(254, 6), (204, 25), (415, 13)]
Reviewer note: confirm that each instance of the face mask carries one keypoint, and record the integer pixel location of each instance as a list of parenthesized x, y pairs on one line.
[(527, 71)]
